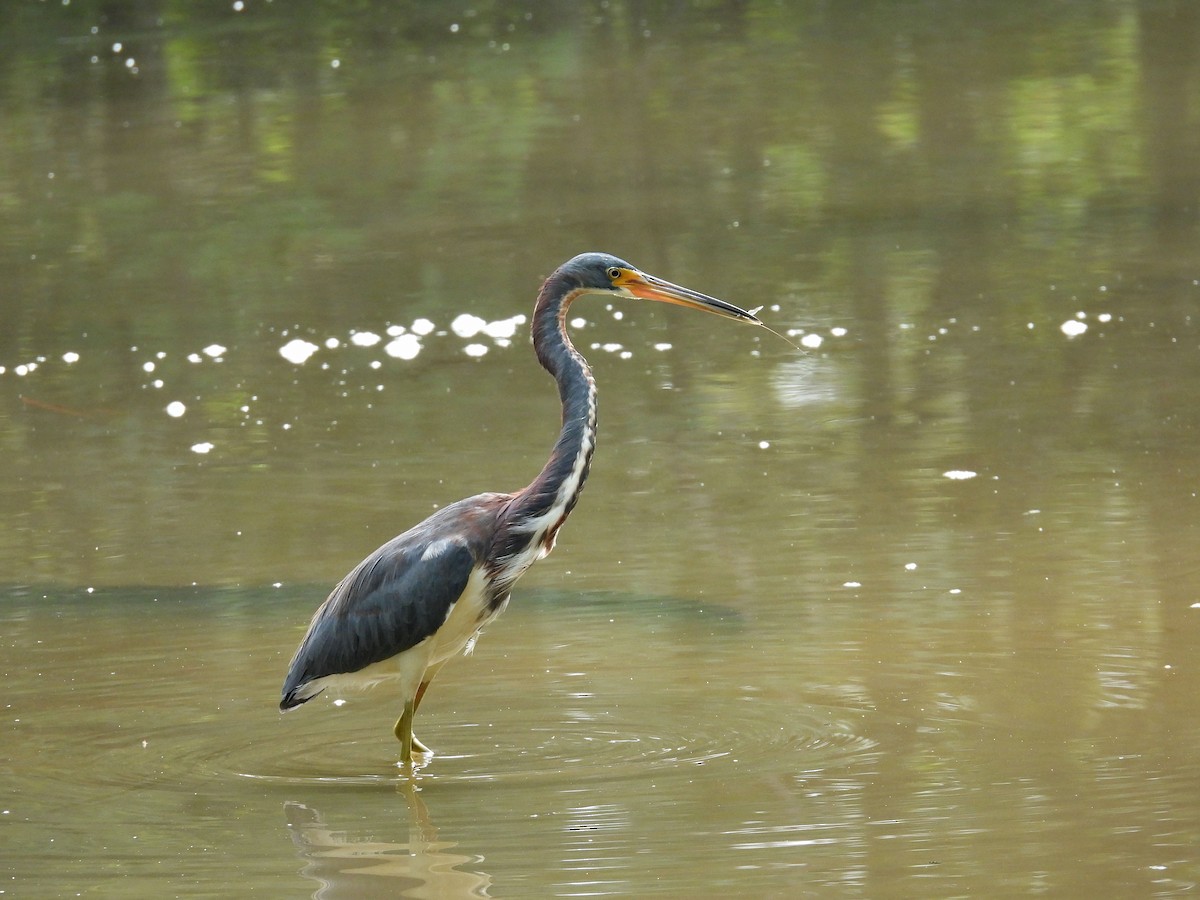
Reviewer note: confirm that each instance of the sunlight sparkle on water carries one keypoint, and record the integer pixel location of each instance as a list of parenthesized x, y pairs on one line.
[(959, 474), (70, 357), (811, 341), (466, 325), (215, 350), (422, 327), (365, 339), (475, 349), (406, 346), (1073, 327), (175, 409), (202, 447), (297, 350), (503, 328)]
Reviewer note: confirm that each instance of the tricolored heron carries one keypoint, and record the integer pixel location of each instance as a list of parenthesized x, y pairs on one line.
[(424, 596)]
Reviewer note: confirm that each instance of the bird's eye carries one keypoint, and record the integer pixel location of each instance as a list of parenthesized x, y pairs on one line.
[(613, 272)]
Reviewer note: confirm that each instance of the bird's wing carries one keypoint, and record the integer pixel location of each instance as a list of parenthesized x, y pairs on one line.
[(393, 600)]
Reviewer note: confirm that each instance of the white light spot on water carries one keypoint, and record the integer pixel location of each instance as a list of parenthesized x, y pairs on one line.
[(763, 445), (422, 327), (365, 339), (910, 567), (70, 357), (578, 322), (298, 350), (1104, 317), (959, 474), (466, 325), (406, 346), (332, 343), (238, 5), (194, 358), (852, 584), (147, 367), (335, 63), (618, 315), (117, 47), (475, 349), (339, 702), (811, 341), (503, 328), (661, 346), (395, 330), (202, 447), (838, 332), (214, 350), (175, 409), (1073, 327)]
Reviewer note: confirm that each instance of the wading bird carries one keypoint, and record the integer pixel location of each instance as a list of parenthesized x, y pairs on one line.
[(424, 596)]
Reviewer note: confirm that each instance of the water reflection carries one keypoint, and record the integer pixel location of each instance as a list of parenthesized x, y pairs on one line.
[(346, 862)]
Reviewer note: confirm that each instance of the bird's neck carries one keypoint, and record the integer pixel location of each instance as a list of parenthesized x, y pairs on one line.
[(539, 510)]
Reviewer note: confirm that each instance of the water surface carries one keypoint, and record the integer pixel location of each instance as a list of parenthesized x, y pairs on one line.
[(911, 612)]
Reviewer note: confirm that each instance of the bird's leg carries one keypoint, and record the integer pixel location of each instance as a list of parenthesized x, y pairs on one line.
[(404, 734), (416, 742)]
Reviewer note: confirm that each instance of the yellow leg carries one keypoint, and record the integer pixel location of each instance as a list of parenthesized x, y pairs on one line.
[(403, 732), (404, 725), (416, 742)]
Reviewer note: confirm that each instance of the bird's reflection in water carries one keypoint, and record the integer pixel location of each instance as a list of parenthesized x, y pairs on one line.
[(348, 866)]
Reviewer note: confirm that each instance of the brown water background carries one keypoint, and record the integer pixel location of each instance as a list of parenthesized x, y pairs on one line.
[(914, 612)]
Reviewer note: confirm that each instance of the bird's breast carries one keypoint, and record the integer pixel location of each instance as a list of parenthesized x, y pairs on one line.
[(475, 607)]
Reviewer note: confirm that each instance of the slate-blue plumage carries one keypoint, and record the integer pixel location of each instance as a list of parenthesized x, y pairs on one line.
[(423, 597)]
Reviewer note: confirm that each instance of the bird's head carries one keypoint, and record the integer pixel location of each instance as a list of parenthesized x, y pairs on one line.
[(602, 273)]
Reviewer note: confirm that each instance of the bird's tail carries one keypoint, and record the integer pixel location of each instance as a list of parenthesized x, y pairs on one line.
[(296, 694)]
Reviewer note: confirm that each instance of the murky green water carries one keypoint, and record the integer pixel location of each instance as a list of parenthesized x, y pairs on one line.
[(913, 612)]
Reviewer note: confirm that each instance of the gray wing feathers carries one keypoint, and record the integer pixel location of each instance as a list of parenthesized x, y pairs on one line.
[(393, 600)]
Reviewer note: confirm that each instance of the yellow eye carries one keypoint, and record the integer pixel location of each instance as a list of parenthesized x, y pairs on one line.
[(613, 273)]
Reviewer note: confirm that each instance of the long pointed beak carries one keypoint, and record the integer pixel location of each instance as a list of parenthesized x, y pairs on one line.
[(647, 287)]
